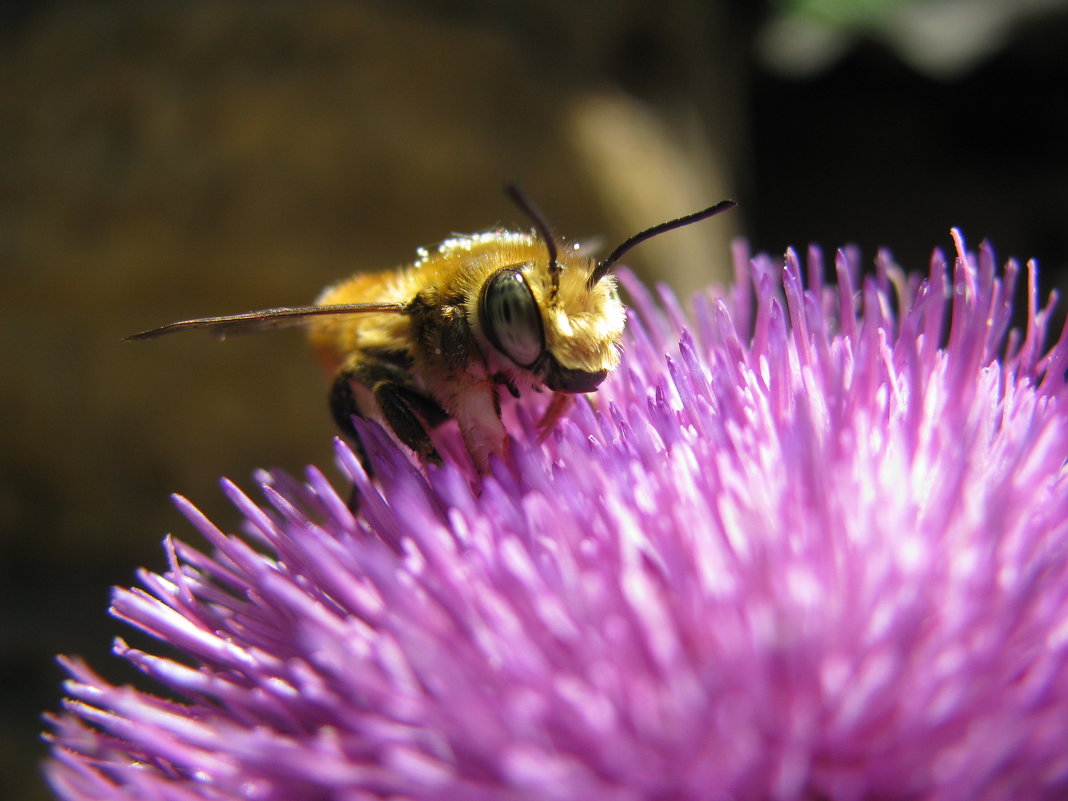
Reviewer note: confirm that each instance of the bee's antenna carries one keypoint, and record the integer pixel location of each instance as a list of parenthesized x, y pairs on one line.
[(603, 266), (544, 231)]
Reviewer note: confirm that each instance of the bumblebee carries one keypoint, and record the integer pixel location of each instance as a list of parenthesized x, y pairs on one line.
[(440, 338)]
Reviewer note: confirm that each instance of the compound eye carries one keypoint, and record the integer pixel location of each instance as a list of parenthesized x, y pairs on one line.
[(511, 319)]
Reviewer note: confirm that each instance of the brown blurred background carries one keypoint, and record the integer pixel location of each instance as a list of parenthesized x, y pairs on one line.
[(165, 160)]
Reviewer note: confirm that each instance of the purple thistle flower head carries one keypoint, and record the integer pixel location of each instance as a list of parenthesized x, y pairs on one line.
[(809, 542)]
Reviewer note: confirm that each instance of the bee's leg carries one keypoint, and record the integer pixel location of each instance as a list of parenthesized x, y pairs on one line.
[(503, 380), (343, 407), (398, 406), (478, 411), (557, 408), (406, 412)]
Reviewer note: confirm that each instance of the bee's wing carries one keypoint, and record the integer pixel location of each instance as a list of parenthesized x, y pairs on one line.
[(264, 319)]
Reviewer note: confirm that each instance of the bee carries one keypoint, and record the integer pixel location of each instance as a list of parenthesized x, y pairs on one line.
[(440, 338)]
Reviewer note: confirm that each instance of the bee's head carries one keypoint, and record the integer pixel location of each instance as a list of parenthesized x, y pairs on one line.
[(567, 336), (563, 322)]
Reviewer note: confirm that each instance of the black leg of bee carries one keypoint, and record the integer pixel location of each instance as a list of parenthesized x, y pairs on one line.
[(395, 402), (407, 412), (343, 408), (400, 405), (426, 407), (503, 380)]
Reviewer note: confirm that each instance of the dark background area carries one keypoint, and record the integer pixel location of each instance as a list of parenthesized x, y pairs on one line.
[(166, 160)]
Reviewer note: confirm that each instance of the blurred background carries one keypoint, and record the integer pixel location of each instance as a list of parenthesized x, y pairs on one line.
[(161, 160)]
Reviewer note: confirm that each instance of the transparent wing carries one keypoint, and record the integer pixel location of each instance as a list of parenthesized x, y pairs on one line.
[(266, 319)]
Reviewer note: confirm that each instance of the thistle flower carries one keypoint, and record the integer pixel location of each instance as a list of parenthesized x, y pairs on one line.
[(810, 542)]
